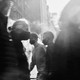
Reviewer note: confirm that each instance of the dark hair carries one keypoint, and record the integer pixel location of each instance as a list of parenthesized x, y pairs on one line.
[(24, 26), (34, 36), (20, 31), (48, 35)]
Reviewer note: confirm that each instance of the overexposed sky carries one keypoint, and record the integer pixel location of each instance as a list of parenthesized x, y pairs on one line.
[(56, 5)]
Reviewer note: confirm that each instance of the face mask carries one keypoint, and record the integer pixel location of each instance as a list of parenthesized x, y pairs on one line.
[(32, 41)]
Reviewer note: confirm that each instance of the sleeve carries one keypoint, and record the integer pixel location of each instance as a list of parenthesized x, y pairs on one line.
[(42, 55), (42, 60), (47, 60), (32, 64)]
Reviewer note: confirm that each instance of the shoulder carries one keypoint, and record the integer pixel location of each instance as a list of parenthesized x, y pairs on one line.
[(40, 49), (41, 46), (51, 45)]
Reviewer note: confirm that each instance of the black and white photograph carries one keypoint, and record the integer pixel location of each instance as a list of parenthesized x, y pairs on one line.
[(39, 39)]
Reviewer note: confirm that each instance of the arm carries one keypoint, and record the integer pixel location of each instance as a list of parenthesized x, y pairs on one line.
[(42, 60), (32, 64)]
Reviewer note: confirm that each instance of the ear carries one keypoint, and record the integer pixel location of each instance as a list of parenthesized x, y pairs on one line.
[(10, 28)]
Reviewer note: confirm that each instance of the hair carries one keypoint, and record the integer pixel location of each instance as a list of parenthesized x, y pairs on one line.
[(34, 36), (48, 35), (24, 25)]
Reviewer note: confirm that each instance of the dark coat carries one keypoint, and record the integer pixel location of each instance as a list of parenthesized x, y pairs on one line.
[(8, 56), (67, 50), (12, 61), (50, 57), (22, 58), (38, 58)]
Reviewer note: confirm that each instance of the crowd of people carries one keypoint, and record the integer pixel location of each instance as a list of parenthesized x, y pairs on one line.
[(54, 61)]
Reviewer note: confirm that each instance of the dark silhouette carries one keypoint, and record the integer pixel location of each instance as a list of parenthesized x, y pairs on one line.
[(38, 57), (50, 55), (20, 32), (8, 56), (11, 56), (67, 49), (67, 45)]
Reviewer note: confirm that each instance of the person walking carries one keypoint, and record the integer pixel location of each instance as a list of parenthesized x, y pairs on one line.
[(38, 57)]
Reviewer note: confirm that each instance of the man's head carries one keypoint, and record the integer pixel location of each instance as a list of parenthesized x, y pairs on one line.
[(47, 37), (20, 31), (33, 38)]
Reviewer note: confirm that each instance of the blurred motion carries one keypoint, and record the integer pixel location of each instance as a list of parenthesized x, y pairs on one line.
[(38, 57), (14, 65), (20, 31), (56, 47), (48, 38)]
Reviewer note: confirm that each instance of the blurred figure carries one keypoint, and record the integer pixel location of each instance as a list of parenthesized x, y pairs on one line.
[(3, 38), (48, 40), (13, 62), (8, 56), (20, 32), (38, 57), (67, 45), (11, 52), (67, 50)]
